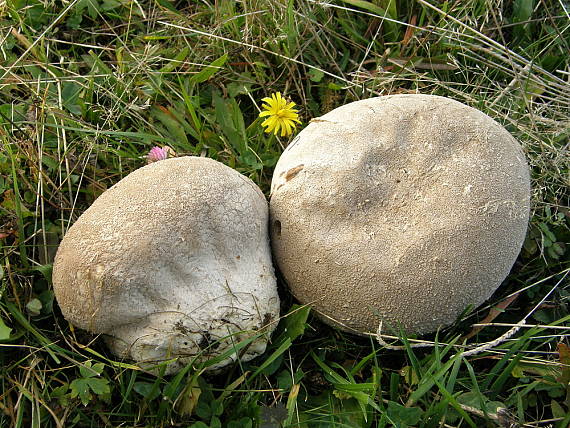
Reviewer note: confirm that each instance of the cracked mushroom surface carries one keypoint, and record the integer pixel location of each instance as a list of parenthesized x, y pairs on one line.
[(173, 261), (405, 209)]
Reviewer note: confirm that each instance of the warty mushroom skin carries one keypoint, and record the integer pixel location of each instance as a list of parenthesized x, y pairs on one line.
[(172, 261), (405, 209)]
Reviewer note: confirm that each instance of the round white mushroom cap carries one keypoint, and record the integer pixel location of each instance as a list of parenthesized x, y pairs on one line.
[(172, 261), (405, 209)]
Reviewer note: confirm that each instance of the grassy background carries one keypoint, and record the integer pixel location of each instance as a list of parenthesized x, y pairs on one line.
[(87, 87)]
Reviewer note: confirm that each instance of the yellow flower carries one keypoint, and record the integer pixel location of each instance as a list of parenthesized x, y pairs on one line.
[(282, 115)]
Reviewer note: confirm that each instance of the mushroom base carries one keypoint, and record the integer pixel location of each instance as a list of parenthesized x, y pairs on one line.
[(182, 340)]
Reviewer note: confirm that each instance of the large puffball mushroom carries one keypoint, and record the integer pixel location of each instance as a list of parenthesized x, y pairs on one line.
[(402, 210), (172, 261)]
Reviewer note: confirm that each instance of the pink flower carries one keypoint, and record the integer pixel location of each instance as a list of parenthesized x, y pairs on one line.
[(157, 154)]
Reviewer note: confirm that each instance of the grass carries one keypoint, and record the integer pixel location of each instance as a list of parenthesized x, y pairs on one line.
[(87, 87)]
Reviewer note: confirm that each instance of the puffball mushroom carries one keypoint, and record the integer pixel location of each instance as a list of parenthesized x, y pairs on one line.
[(403, 209), (172, 261)]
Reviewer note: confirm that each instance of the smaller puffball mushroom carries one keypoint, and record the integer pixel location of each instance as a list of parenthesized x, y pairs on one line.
[(172, 261), (402, 210)]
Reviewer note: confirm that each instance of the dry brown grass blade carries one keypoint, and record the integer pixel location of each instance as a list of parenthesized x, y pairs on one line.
[(410, 30), (493, 313), (564, 355)]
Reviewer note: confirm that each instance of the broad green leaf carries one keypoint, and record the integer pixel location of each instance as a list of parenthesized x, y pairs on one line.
[(544, 227), (92, 8), (74, 20), (13, 203), (34, 307), (189, 397), (230, 119), (209, 70), (522, 10), (47, 297), (215, 422), (295, 321), (544, 316), (70, 97), (177, 134), (88, 369), (334, 86), (403, 416), (217, 407), (99, 386), (552, 253), (108, 5), (59, 391), (285, 380), (147, 389), (241, 86), (12, 113), (392, 27), (98, 368), (45, 270), (80, 388), (530, 245), (558, 249), (541, 370), (4, 331), (203, 410), (366, 5), (493, 406), (242, 423), (167, 5), (316, 75), (176, 61), (178, 110), (471, 399), (557, 410)]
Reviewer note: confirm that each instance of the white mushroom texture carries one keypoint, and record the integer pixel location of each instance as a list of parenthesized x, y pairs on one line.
[(172, 261), (403, 209)]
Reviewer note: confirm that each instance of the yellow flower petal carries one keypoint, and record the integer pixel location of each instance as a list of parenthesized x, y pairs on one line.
[(287, 128), (280, 115)]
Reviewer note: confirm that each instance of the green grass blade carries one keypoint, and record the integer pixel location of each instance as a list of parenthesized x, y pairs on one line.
[(47, 344), (18, 208), (276, 354)]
